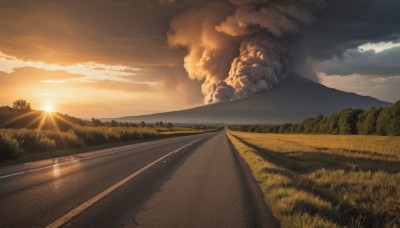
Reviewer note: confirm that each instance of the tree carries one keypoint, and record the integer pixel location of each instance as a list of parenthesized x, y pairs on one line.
[(360, 123), (170, 125), (394, 125), (332, 124), (348, 121), (21, 105), (114, 123), (143, 124), (382, 123), (368, 126), (96, 122)]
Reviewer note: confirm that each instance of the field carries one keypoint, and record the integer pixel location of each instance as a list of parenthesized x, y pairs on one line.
[(20, 143), (326, 180)]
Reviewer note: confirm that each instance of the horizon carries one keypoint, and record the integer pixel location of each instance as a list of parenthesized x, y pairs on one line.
[(155, 57), (188, 113)]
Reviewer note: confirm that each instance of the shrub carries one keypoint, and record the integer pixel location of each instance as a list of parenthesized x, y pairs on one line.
[(45, 144), (64, 140), (8, 147)]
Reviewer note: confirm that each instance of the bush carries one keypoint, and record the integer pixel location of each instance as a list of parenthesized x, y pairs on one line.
[(91, 135), (64, 140), (45, 144), (8, 147), (37, 141)]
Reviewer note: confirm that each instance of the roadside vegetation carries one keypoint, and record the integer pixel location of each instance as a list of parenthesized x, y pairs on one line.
[(25, 132), (375, 121), (326, 180)]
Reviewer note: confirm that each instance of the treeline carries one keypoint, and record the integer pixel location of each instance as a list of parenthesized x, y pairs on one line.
[(113, 123), (375, 121)]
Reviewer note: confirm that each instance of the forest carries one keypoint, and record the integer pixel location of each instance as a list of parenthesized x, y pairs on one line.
[(375, 121)]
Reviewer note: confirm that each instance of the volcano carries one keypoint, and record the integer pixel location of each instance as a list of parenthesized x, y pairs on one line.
[(293, 100)]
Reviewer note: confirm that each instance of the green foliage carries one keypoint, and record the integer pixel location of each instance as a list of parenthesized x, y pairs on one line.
[(394, 124), (368, 126), (348, 121), (8, 147), (31, 141), (383, 121)]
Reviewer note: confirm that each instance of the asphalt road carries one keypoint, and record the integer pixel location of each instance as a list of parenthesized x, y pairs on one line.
[(191, 181)]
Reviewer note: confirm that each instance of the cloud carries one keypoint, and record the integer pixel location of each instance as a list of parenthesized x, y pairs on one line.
[(172, 82), (354, 61), (347, 24), (68, 32), (116, 85), (167, 1), (178, 88), (383, 88), (29, 75)]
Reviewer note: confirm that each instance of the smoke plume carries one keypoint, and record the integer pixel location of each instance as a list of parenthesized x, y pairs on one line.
[(240, 47)]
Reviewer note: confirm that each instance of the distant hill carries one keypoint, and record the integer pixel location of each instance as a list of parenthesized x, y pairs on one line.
[(292, 100)]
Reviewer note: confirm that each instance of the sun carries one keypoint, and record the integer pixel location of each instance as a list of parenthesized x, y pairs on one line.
[(48, 107)]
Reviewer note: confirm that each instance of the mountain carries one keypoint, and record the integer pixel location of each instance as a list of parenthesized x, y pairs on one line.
[(293, 100)]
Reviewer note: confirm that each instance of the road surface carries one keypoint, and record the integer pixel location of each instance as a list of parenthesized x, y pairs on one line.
[(190, 181)]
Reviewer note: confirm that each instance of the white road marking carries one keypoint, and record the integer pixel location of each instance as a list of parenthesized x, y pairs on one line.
[(67, 217), (79, 159)]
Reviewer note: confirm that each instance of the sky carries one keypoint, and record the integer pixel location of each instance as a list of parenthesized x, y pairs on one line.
[(113, 58)]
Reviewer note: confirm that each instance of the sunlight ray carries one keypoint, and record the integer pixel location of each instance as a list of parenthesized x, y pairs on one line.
[(42, 122), (57, 130), (64, 120), (19, 117), (36, 119)]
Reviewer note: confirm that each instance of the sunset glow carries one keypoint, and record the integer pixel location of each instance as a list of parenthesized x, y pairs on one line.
[(48, 107)]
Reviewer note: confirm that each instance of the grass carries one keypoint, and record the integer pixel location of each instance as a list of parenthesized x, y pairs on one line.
[(65, 152), (21, 145), (326, 181)]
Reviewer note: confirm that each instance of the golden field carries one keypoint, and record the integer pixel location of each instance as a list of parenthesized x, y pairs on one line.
[(326, 180)]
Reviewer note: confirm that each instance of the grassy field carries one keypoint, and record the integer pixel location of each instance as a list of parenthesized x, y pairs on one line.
[(326, 180), (18, 144)]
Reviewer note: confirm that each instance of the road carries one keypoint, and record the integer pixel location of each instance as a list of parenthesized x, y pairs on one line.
[(190, 181)]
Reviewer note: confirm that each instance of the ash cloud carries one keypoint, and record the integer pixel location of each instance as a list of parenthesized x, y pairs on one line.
[(241, 47)]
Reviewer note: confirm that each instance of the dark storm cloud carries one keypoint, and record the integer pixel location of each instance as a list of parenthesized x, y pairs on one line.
[(354, 61), (347, 24)]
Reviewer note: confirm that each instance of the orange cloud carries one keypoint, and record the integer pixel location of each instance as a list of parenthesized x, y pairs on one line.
[(31, 75), (68, 32)]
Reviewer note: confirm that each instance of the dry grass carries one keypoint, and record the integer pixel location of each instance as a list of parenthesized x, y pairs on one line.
[(17, 143), (326, 181)]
